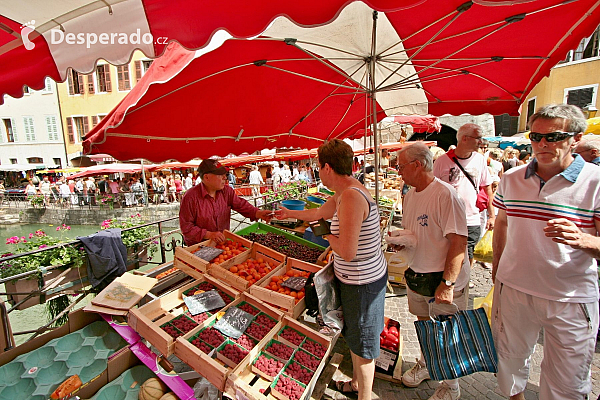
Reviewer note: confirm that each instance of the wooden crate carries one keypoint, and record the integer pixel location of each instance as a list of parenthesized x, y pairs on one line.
[(221, 271), (147, 319), (284, 302), (186, 260), (242, 380), (214, 369)]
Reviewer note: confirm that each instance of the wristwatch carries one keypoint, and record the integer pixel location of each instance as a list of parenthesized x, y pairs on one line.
[(449, 283)]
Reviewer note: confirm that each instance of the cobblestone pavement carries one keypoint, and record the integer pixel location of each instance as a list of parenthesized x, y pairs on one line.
[(476, 386)]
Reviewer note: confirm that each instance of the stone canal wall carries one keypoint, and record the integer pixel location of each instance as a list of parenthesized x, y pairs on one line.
[(95, 215)]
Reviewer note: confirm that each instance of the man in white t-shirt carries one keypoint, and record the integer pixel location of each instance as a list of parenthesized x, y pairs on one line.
[(255, 181), (545, 242), (435, 214), (473, 163)]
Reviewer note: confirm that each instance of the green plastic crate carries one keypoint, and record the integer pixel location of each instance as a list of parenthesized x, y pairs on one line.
[(259, 227)]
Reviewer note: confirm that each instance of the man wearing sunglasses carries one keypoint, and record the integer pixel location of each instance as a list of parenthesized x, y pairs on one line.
[(545, 242)]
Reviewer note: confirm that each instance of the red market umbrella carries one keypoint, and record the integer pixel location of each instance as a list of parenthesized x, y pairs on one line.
[(296, 86), (419, 123)]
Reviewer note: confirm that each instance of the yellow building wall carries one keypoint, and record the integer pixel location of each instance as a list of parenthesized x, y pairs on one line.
[(551, 88), (92, 104)]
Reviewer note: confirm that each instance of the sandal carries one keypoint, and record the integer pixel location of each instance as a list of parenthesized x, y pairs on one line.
[(345, 387)]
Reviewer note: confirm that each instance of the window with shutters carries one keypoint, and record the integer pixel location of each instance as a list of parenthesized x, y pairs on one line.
[(81, 126), (505, 125), (29, 129), (35, 160), (94, 121), (588, 48), (103, 83), (9, 129), (75, 83), (123, 77), (70, 130), (57, 162), (581, 96), (52, 127), (47, 86), (90, 83)]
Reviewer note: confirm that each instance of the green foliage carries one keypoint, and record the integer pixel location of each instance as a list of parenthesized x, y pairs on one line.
[(36, 200), (62, 255), (134, 238), (290, 190)]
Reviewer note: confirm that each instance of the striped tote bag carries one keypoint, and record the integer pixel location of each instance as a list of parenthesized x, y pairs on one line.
[(457, 345)]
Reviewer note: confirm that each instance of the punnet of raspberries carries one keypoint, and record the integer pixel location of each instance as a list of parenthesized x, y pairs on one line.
[(212, 337), (280, 350), (269, 366), (249, 309), (246, 342), (309, 361), (171, 331), (257, 331), (184, 324), (234, 353), (314, 348), (299, 373), (203, 346), (292, 336), (289, 388), (199, 318), (263, 319)]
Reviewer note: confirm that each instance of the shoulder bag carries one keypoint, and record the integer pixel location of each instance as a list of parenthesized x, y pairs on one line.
[(482, 197)]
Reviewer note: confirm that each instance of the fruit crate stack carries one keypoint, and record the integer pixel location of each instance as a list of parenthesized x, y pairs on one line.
[(286, 367)]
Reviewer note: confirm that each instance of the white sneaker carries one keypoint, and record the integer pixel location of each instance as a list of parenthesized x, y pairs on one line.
[(445, 392), (414, 376)]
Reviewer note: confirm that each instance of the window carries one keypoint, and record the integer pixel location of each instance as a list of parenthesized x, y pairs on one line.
[(81, 126), (90, 83), (47, 86), (10, 129), (57, 162), (29, 129), (103, 78), (581, 96), (141, 67), (587, 48), (70, 130), (531, 107), (75, 83), (505, 125), (35, 160), (26, 90), (52, 127), (123, 77), (13, 160)]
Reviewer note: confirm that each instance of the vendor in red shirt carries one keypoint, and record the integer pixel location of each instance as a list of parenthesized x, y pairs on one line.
[(205, 210)]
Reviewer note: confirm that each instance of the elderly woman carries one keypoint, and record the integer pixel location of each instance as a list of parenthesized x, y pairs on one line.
[(358, 260)]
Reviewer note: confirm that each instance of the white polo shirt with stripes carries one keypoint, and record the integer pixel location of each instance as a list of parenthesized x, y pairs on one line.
[(533, 263)]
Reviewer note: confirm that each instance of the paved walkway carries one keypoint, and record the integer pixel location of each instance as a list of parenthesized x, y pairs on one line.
[(476, 386)]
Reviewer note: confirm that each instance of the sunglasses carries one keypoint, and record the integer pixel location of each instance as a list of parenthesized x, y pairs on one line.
[(550, 137)]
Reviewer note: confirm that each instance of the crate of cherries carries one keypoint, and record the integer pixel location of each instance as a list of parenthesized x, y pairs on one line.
[(285, 388), (266, 366), (231, 354)]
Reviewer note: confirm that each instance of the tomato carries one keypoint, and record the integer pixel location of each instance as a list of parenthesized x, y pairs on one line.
[(393, 331)]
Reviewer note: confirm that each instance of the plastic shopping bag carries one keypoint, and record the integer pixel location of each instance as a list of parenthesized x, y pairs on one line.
[(483, 250), (485, 303)]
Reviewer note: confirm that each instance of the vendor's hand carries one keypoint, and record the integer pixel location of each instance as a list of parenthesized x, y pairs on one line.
[(561, 230), (281, 213), (489, 225), (444, 294), (265, 215), (217, 237)]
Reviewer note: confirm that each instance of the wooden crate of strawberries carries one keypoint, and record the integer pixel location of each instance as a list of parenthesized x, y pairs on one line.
[(284, 372), (271, 290), (234, 245), (248, 268), (214, 355), (164, 319)]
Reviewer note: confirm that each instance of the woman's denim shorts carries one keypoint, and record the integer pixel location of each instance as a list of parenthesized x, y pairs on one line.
[(363, 307)]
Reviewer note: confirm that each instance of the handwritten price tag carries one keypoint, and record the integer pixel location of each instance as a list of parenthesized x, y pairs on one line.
[(206, 301), (234, 322)]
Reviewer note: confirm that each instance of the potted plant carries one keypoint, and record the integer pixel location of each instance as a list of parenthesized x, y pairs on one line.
[(140, 246), (37, 200), (107, 200), (65, 256)]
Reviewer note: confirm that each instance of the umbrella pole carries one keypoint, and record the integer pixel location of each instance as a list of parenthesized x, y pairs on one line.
[(374, 105), (145, 186)]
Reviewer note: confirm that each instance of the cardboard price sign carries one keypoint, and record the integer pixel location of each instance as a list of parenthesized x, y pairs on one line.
[(295, 283), (207, 253), (234, 322), (205, 301)]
